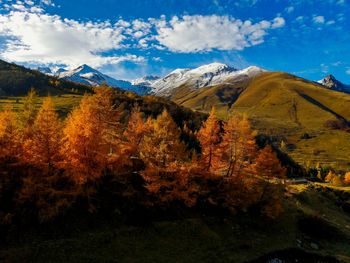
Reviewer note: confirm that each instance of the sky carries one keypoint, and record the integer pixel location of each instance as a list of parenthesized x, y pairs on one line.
[(127, 39)]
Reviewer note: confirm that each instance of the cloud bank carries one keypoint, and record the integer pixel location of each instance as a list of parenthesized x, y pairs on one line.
[(33, 36)]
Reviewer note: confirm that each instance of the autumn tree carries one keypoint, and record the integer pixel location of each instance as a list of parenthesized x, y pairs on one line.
[(43, 184), (347, 178), (329, 177), (238, 144), (28, 114), (91, 140), (333, 179), (268, 165), (166, 174), (9, 136), (209, 138), (42, 149), (135, 131)]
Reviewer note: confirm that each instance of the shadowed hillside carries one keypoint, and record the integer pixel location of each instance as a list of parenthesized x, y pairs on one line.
[(17, 81)]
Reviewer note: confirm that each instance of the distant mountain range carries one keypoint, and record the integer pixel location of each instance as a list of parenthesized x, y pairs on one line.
[(203, 76), (87, 75), (197, 78)]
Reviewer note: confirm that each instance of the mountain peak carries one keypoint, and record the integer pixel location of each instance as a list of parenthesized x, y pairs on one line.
[(85, 69), (214, 68), (333, 83)]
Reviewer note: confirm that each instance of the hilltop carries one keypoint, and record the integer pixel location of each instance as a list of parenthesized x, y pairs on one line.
[(16, 80)]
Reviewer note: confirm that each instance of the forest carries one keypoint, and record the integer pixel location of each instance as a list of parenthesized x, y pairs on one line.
[(98, 159)]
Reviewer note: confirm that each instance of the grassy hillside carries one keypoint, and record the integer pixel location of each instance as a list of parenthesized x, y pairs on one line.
[(285, 106), (16, 81), (150, 105)]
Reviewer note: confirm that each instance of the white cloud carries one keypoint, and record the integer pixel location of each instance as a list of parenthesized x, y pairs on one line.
[(289, 9), (319, 19), (300, 19), (47, 2), (330, 22), (204, 33), (278, 22), (43, 38), (348, 71)]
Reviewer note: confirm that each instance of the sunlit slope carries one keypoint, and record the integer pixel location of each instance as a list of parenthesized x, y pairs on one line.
[(280, 100), (287, 107), (222, 96), (284, 105)]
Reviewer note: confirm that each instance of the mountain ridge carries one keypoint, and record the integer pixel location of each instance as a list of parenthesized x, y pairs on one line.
[(333, 83)]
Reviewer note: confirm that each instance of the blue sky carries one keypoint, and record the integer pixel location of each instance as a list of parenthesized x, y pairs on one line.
[(131, 38)]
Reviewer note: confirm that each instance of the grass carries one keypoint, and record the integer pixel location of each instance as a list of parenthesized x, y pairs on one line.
[(285, 106), (199, 239), (64, 103)]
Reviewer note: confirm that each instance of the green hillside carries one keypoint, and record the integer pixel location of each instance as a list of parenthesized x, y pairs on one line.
[(17, 80), (288, 107)]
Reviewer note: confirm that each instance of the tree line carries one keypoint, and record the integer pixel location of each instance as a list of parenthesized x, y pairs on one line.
[(95, 157)]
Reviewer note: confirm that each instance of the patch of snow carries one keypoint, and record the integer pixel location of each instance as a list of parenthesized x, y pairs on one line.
[(203, 76)]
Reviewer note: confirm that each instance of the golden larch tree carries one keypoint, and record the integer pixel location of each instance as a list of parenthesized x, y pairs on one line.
[(166, 175), (91, 138), (9, 136), (268, 165), (209, 138), (28, 114), (347, 178), (44, 186), (238, 144), (135, 131), (42, 148)]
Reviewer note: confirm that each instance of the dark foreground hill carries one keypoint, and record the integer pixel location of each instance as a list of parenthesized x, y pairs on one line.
[(302, 234)]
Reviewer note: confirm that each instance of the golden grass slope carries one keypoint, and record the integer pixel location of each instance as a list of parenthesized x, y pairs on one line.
[(284, 105)]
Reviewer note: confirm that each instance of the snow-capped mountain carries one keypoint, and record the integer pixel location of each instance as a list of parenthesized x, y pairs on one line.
[(203, 76), (45, 70), (58, 71), (89, 76), (145, 81), (332, 83)]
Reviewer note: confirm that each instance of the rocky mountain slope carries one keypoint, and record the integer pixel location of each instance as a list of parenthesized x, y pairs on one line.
[(90, 76), (332, 83), (201, 77)]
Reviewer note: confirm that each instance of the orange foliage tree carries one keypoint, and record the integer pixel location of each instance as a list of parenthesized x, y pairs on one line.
[(28, 114), (91, 140), (268, 165), (135, 131), (209, 138), (42, 148), (166, 174), (43, 186), (347, 178), (238, 145), (9, 136)]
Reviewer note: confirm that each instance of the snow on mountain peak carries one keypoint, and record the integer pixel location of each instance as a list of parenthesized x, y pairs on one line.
[(332, 83), (214, 68), (145, 81), (203, 76)]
